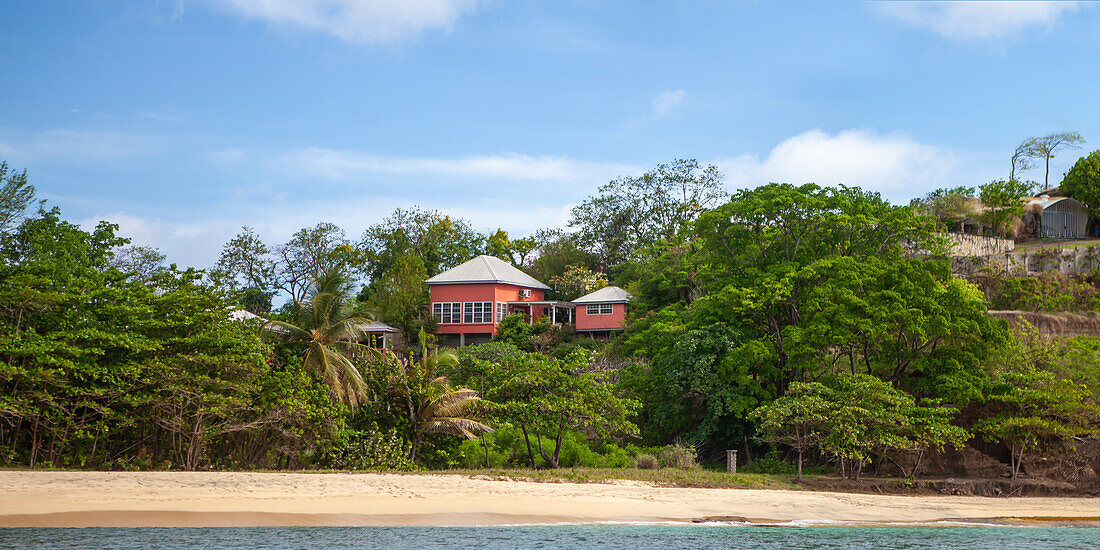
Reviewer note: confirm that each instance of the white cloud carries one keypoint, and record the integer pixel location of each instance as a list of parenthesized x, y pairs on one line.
[(667, 103), (343, 165), (355, 20), (896, 166), (978, 20), (77, 146)]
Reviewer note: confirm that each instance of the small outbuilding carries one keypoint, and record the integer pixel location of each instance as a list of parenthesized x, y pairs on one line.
[(1060, 217), (602, 311)]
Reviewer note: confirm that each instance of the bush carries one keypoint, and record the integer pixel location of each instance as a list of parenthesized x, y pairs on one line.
[(770, 463), (471, 455), (677, 456), (369, 450), (646, 462)]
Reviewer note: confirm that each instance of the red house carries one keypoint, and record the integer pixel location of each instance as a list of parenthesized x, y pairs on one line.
[(470, 300), (601, 311)]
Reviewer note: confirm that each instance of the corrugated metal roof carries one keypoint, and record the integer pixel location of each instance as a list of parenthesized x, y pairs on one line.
[(377, 326), (604, 295), (1046, 201), (486, 269), (242, 314)]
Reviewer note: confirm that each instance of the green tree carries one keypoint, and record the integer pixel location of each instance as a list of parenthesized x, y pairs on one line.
[(515, 251), (310, 254), (16, 194), (1021, 159), (247, 262), (441, 242), (556, 252), (401, 298), (630, 213), (330, 329), (1004, 203), (949, 207), (1082, 182), (97, 365), (799, 420), (204, 387), (577, 281), (1045, 147), (1030, 403), (852, 417), (434, 406), (142, 262), (545, 397), (514, 330)]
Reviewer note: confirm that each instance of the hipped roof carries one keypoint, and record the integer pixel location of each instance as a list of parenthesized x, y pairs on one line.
[(607, 294), (486, 269)]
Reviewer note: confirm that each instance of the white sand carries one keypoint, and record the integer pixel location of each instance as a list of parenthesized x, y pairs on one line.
[(83, 499)]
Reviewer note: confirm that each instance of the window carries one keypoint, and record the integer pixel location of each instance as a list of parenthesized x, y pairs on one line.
[(502, 311), (447, 313), (599, 309), (477, 312)]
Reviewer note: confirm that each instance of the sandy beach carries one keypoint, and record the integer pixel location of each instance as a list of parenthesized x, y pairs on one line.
[(195, 499)]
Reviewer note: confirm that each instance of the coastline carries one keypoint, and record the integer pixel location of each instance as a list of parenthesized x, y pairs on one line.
[(238, 499)]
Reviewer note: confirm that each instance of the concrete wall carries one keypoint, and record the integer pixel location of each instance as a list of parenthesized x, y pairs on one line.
[(1067, 261), (976, 245)]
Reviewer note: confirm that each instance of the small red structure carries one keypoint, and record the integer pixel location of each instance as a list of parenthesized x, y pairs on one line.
[(602, 311), (470, 300)]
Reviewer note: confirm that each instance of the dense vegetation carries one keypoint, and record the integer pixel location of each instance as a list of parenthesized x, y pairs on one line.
[(791, 322)]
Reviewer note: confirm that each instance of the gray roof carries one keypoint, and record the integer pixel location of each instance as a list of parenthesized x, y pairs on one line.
[(242, 315), (377, 326), (604, 295), (486, 269)]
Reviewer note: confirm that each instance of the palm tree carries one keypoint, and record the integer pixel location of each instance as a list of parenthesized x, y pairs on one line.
[(433, 405), (331, 328)]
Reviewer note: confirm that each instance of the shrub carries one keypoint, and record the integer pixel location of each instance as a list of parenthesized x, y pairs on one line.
[(646, 462), (770, 463), (677, 456)]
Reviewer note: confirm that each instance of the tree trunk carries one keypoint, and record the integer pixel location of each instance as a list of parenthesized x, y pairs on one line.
[(799, 478), (527, 439), (485, 444)]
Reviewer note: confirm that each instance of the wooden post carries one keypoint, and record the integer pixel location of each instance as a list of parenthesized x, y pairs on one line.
[(731, 461)]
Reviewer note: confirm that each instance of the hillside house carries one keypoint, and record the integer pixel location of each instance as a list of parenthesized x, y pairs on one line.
[(469, 301), (602, 311)]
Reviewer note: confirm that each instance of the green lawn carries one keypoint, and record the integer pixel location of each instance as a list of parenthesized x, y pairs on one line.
[(1035, 246)]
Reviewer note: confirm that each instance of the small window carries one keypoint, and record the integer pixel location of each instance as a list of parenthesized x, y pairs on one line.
[(502, 311), (447, 313), (600, 309), (477, 312)]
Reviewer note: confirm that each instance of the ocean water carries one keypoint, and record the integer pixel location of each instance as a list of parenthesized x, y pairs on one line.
[(558, 537)]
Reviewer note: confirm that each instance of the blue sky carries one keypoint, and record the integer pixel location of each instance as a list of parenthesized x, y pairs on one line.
[(183, 120)]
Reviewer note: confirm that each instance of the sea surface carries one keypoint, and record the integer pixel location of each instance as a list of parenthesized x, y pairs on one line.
[(558, 537)]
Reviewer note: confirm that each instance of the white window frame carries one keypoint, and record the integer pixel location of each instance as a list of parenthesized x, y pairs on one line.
[(477, 313), (599, 309), (502, 311), (447, 313)]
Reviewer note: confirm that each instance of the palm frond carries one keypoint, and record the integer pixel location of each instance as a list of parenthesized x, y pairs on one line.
[(455, 426), (282, 332), (349, 330), (343, 378)]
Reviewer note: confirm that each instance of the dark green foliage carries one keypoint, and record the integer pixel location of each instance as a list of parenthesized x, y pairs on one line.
[(514, 330), (1004, 204), (1049, 292), (1082, 182), (16, 194), (544, 397)]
